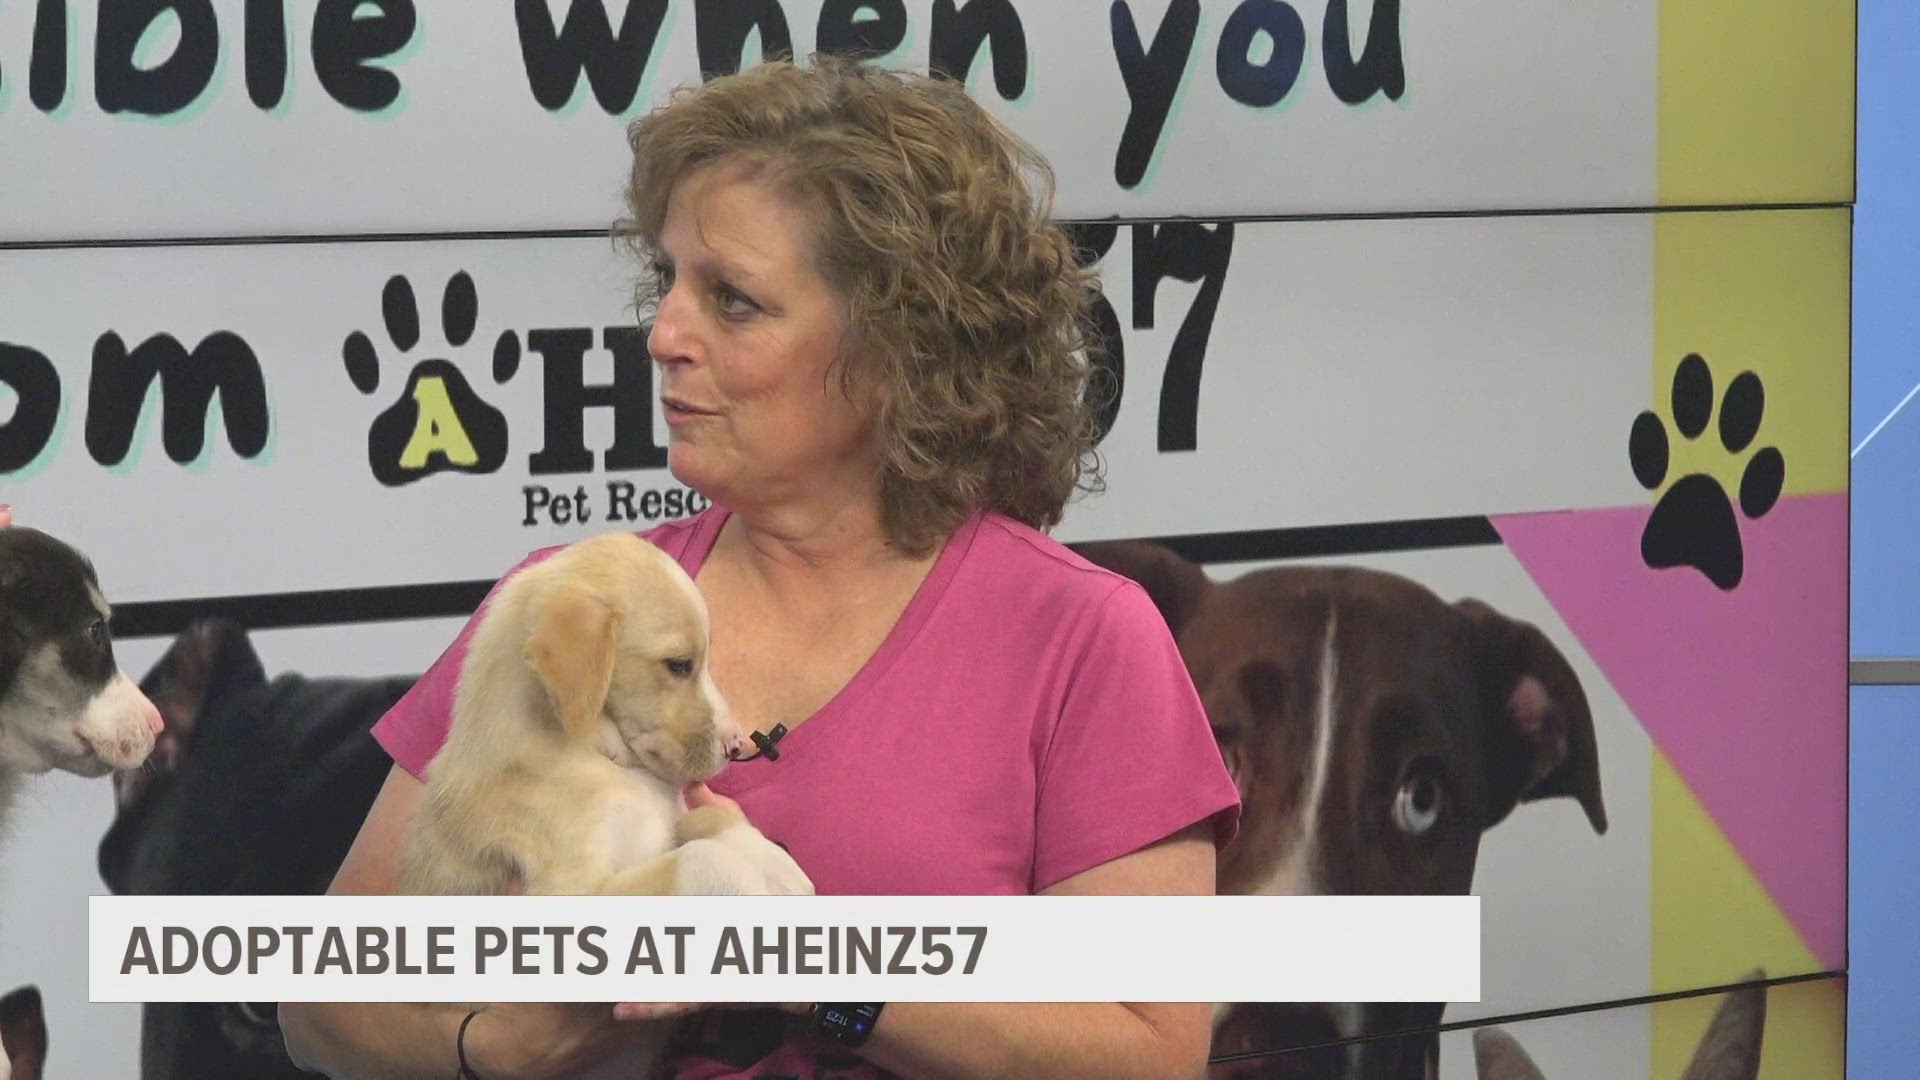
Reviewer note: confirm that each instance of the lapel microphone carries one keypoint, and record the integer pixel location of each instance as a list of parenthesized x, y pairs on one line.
[(765, 740)]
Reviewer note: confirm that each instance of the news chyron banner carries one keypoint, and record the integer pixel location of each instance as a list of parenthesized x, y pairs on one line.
[(1624, 431), (223, 117), (748, 949)]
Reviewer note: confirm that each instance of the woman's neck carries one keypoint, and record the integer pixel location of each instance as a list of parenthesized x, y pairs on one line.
[(827, 536), (804, 551)]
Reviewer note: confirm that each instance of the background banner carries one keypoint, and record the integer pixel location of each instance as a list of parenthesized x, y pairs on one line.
[(423, 416), (313, 116), (1534, 317), (1499, 365)]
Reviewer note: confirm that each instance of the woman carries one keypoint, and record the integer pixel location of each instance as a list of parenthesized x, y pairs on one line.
[(867, 332)]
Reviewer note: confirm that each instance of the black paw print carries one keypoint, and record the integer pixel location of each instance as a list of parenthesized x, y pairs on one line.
[(438, 424), (1693, 524)]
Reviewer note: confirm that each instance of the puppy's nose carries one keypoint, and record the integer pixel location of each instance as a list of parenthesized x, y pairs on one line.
[(735, 742), (155, 725)]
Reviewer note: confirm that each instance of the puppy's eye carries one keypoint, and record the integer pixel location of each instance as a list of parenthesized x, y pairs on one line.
[(97, 632), (1418, 802), (680, 666)]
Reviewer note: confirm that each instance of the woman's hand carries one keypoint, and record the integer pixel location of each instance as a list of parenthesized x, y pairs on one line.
[(6, 515)]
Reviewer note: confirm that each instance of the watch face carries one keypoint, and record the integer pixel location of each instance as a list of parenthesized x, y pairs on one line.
[(848, 1023)]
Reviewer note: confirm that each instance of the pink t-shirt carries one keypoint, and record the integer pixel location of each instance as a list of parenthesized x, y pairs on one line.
[(1028, 717)]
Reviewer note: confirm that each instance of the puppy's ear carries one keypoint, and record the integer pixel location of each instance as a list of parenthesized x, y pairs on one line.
[(1541, 741), (210, 662), (1175, 585), (14, 568), (1730, 1050), (571, 647), (1499, 1056), (23, 1032)]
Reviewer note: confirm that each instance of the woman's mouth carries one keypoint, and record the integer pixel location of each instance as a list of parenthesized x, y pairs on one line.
[(680, 412)]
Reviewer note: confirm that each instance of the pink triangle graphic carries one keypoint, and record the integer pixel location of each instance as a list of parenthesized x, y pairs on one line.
[(1744, 691)]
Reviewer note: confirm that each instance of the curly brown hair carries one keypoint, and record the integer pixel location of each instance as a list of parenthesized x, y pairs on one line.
[(961, 294)]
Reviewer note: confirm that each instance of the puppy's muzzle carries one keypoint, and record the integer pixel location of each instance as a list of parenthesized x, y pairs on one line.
[(120, 726), (733, 740)]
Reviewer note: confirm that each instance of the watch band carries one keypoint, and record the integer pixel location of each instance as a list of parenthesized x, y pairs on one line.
[(848, 1025)]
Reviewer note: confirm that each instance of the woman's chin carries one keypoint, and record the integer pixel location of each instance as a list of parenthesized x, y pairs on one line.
[(691, 467)]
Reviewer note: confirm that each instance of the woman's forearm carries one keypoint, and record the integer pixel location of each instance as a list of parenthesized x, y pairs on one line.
[(1066, 1041), (924, 1041), (506, 1041)]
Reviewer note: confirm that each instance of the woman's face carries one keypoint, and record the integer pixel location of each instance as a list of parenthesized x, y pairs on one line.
[(746, 336)]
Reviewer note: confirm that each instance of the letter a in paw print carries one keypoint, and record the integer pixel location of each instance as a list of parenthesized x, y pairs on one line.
[(1693, 524), (438, 424)]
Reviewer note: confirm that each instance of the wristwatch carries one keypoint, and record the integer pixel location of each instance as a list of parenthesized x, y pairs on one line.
[(848, 1025)]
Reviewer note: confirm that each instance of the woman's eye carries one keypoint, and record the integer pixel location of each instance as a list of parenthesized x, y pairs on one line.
[(680, 666), (1417, 804), (664, 275), (732, 301)]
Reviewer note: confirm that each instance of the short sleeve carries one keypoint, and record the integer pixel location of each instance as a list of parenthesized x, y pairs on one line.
[(1132, 759), (415, 728)]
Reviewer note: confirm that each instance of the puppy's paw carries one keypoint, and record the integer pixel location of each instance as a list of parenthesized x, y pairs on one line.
[(779, 874), (707, 821), (708, 867), (784, 876)]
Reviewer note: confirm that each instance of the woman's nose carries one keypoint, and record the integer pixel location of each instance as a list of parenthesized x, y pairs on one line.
[(666, 333)]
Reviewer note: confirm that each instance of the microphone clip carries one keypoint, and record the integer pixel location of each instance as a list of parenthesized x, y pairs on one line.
[(765, 740)]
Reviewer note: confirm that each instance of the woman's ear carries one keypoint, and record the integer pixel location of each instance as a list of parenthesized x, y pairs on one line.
[(571, 647)]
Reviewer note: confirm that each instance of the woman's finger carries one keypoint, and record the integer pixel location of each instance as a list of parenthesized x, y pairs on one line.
[(6, 515), (699, 795)]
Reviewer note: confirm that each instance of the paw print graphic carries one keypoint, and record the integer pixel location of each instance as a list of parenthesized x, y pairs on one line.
[(438, 423), (1694, 524)]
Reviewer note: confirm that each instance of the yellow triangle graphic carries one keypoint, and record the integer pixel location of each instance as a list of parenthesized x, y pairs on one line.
[(1713, 923), (1805, 1036)]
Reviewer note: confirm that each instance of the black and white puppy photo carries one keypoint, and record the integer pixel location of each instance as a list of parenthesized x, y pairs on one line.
[(65, 703)]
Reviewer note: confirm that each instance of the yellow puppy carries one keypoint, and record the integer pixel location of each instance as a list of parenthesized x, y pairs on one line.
[(584, 705)]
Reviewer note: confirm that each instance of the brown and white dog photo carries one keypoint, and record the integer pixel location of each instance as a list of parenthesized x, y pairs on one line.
[(23, 1035), (1375, 732), (584, 707)]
